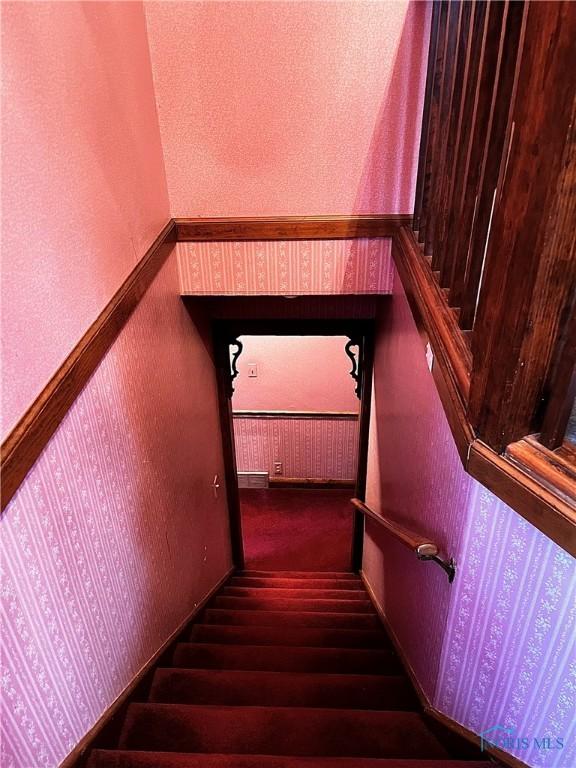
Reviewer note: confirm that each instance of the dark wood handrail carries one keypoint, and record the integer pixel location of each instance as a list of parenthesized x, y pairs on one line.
[(423, 548)]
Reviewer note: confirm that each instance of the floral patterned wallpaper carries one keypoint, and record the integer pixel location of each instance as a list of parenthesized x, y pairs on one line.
[(496, 650), (114, 536), (509, 657), (325, 449), (286, 267)]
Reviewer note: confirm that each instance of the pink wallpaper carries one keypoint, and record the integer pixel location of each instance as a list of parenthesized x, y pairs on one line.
[(325, 449), (286, 267), (282, 108), (115, 535), (83, 183), (295, 373), (497, 646), (509, 657)]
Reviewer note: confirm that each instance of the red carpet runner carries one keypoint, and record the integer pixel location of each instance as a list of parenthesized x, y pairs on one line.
[(285, 669)]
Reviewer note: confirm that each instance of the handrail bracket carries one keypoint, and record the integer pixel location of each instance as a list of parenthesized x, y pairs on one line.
[(447, 565)]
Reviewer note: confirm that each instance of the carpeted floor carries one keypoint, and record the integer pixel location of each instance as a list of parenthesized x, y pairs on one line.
[(284, 670), (300, 530)]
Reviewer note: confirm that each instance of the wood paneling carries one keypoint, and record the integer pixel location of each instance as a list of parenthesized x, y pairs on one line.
[(28, 438), (291, 227)]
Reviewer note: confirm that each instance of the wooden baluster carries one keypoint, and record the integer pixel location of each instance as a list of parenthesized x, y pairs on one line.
[(426, 136), (562, 382), (491, 157), (435, 98), (438, 160), (478, 38), (459, 86), (477, 148), (530, 266)]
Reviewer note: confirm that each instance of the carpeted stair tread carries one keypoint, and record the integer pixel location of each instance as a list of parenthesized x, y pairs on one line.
[(285, 669), (285, 658), (308, 636), (278, 731), (102, 758), (292, 619), (301, 575), (305, 594), (280, 583), (281, 689), (292, 604)]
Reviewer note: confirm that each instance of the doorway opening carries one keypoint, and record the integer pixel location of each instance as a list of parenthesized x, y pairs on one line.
[(295, 409)]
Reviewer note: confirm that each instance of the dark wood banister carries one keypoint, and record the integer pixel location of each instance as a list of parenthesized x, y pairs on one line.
[(423, 548)]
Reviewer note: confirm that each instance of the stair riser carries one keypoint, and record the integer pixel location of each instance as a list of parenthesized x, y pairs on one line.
[(280, 731), (300, 575), (278, 689), (299, 619), (114, 759), (253, 582), (273, 604), (310, 637), (285, 659), (299, 594)]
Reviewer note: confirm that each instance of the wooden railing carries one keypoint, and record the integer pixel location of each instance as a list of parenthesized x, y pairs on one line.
[(489, 264), (495, 203), (423, 548)]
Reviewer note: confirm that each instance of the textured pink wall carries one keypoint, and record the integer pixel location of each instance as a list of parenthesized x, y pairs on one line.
[(286, 267), (289, 108), (323, 449), (84, 190), (115, 535), (295, 373), (496, 647)]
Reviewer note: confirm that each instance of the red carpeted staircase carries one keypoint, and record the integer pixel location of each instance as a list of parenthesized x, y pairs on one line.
[(285, 669)]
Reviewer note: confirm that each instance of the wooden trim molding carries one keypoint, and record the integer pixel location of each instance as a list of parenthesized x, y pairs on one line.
[(523, 490), (27, 440), (438, 325), (428, 708), (29, 437), (290, 227), (116, 710), (311, 483), (532, 480), (317, 415)]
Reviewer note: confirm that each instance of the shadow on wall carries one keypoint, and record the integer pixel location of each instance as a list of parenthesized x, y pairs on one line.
[(388, 181), (496, 647)]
